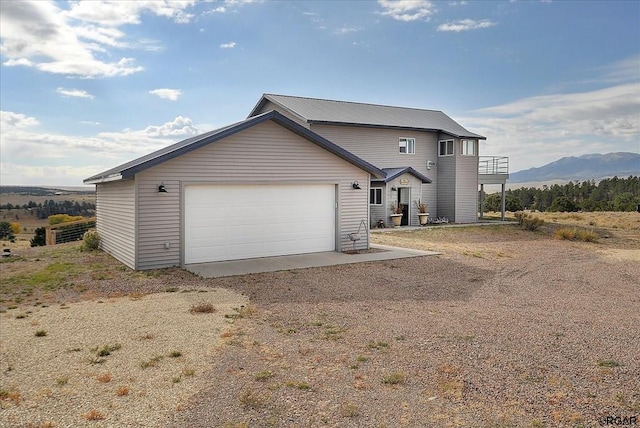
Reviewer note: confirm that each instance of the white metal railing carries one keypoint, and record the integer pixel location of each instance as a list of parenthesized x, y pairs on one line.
[(493, 165)]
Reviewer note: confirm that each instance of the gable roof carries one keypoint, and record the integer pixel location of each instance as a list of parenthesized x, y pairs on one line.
[(392, 173), (330, 112), (129, 169)]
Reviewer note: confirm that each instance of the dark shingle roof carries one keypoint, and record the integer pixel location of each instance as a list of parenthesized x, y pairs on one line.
[(129, 169), (392, 173), (314, 110)]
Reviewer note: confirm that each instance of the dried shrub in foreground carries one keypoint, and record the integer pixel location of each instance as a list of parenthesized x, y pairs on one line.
[(93, 415), (122, 391), (202, 308), (527, 221)]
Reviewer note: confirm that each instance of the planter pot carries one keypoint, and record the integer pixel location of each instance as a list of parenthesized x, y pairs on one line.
[(396, 219), (424, 218)]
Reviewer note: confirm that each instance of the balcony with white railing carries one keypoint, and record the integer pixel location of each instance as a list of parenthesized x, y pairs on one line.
[(493, 169)]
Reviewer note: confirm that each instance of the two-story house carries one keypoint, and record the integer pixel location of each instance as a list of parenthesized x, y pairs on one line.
[(425, 154), (299, 175)]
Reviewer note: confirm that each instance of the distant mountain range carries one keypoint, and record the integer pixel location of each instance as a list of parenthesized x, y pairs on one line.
[(586, 167)]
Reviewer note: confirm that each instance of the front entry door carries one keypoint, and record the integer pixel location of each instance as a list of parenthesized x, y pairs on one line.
[(404, 197)]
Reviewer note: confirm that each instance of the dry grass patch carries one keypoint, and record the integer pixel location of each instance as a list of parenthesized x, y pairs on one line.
[(94, 415), (202, 307), (122, 391), (104, 377)]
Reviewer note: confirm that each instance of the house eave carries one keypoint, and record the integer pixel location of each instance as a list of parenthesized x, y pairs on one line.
[(103, 179)]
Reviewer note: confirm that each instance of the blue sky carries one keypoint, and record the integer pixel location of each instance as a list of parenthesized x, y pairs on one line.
[(87, 85)]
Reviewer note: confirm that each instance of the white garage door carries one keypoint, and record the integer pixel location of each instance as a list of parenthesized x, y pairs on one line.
[(230, 222)]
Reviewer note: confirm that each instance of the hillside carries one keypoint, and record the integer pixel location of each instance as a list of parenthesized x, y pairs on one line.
[(587, 167)]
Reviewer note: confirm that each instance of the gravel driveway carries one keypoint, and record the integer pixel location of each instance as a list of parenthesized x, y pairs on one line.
[(532, 332)]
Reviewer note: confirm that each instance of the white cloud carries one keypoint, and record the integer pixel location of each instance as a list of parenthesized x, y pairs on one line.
[(466, 25), (29, 152), (229, 45), (167, 94), (407, 10), (73, 41), (76, 93), (536, 130), (346, 30), (9, 119)]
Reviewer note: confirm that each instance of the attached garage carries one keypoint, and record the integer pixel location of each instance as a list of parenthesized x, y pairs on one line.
[(230, 222), (266, 186)]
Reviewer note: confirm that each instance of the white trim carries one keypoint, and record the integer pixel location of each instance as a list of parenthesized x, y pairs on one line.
[(463, 146), (112, 177), (410, 142), (453, 148), (381, 196)]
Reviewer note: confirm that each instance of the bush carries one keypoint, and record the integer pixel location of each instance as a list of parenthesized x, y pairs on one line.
[(63, 218), (563, 204), (90, 240), (528, 221), (6, 231), (15, 228), (40, 237)]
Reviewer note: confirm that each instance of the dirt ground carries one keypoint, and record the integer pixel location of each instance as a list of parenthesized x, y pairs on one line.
[(507, 328)]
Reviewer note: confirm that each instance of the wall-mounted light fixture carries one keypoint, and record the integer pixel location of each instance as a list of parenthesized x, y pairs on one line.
[(161, 188), (355, 185), (393, 189), (430, 164)]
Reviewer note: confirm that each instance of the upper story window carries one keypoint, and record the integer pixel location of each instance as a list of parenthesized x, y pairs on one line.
[(407, 146), (468, 147), (445, 148), (375, 196)]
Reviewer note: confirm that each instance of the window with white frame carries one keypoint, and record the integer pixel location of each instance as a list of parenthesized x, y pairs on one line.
[(468, 147), (445, 148), (375, 196), (407, 146)]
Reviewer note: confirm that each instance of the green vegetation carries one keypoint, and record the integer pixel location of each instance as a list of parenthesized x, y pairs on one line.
[(611, 194)]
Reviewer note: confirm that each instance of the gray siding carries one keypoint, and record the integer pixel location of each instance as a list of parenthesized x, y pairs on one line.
[(380, 148), (379, 212), (466, 189), (115, 204), (392, 197), (446, 187), (262, 154), (268, 106)]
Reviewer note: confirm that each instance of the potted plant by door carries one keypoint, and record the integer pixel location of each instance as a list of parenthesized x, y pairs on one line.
[(423, 215), (396, 214)]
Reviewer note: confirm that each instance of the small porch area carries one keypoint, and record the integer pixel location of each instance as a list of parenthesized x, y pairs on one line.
[(493, 170)]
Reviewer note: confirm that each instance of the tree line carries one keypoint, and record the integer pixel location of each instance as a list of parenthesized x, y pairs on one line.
[(611, 194), (50, 207)]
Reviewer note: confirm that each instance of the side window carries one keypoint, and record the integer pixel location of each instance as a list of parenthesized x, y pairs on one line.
[(407, 146), (375, 196), (445, 148), (468, 147)]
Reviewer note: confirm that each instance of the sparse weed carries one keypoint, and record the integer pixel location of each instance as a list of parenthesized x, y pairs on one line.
[(264, 375), (254, 399), (106, 350), (175, 354), (299, 385), (94, 415), (396, 378), (377, 345), (152, 362), (62, 381), (202, 308), (349, 410), (104, 378), (122, 391), (41, 333), (608, 363), (188, 372)]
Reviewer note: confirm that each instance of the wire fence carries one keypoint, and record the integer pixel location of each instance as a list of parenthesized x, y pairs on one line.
[(69, 232)]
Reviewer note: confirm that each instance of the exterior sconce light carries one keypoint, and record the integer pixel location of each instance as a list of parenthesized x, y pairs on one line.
[(355, 185), (430, 164), (161, 188), (393, 189)]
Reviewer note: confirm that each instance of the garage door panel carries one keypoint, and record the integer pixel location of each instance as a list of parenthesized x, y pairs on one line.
[(228, 222)]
